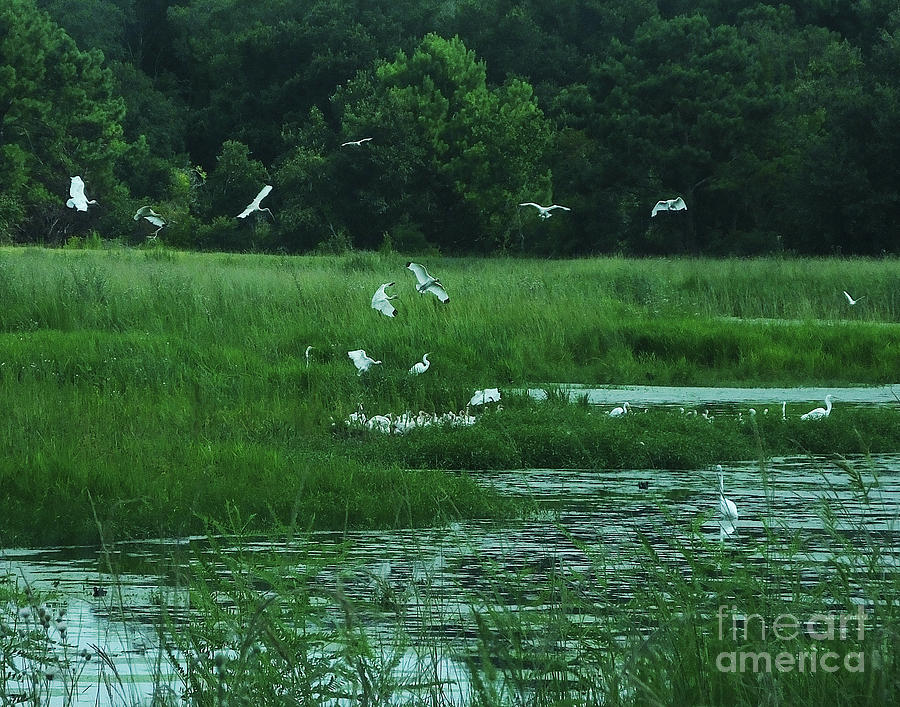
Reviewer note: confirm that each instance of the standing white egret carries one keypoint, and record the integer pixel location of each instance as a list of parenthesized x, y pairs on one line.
[(850, 299), (819, 413), (784, 409), (77, 199), (728, 512), (382, 301), (421, 366), (544, 211), (356, 143), (426, 283), (153, 217), (362, 362), (254, 205), (308, 349), (488, 395), (676, 204), (619, 411)]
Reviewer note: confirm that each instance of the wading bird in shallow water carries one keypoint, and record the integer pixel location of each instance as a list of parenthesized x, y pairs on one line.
[(77, 199), (382, 301), (676, 204), (544, 211), (819, 413), (153, 217), (619, 411), (850, 299), (421, 366), (356, 143), (728, 512), (426, 283), (254, 205), (362, 362)]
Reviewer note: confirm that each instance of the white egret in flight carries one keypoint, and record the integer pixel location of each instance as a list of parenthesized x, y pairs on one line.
[(254, 205), (362, 362), (619, 411), (850, 299), (382, 301), (153, 217), (728, 512), (421, 366), (819, 413), (426, 283), (676, 204), (78, 200), (357, 143), (544, 211), (488, 395)]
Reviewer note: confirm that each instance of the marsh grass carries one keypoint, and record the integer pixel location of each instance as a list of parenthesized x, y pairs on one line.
[(171, 386)]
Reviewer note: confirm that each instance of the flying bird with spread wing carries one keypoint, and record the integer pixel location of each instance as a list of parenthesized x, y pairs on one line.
[(362, 362), (355, 143), (151, 216), (77, 199), (545, 211), (676, 204), (254, 205), (382, 301), (426, 283)]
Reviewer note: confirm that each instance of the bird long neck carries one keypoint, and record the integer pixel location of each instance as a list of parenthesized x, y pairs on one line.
[(721, 484), (827, 406)]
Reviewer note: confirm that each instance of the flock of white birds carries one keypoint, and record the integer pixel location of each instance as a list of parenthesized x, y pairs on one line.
[(381, 302)]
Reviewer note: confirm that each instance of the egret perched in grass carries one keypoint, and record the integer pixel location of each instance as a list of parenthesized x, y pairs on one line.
[(308, 349), (77, 199), (850, 299), (153, 217), (362, 362), (421, 366), (728, 512), (426, 283), (545, 211), (356, 143), (488, 395), (382, 301), (676, 204), (784, 409), (619, 411), (254, 205), (819, 413)]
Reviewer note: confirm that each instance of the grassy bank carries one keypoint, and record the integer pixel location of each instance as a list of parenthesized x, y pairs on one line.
[(151, 390)]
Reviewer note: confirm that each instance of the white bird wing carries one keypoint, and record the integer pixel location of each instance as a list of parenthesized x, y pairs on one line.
[(381, 302), (78, 200), (156, 220), (254, 205), (557, 206), (677, 204), (849, 298), (531, 203), (437, 289), (420, 272), (359, 358)]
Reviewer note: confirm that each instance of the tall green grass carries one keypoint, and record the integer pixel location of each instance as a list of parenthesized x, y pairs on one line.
[(164, 387)]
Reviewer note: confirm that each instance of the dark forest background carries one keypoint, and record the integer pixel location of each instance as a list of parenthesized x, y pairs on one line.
[(779, 124)]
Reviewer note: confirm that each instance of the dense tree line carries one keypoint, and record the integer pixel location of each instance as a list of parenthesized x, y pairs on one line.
[(779, 124)]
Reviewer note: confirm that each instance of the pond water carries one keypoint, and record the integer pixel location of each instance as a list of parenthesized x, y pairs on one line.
[(589, 528), (692, 395)]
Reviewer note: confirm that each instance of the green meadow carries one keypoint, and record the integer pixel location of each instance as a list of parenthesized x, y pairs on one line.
[(149, 392)]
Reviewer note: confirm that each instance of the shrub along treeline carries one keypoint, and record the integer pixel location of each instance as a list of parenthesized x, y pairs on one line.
[(778, 123)]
